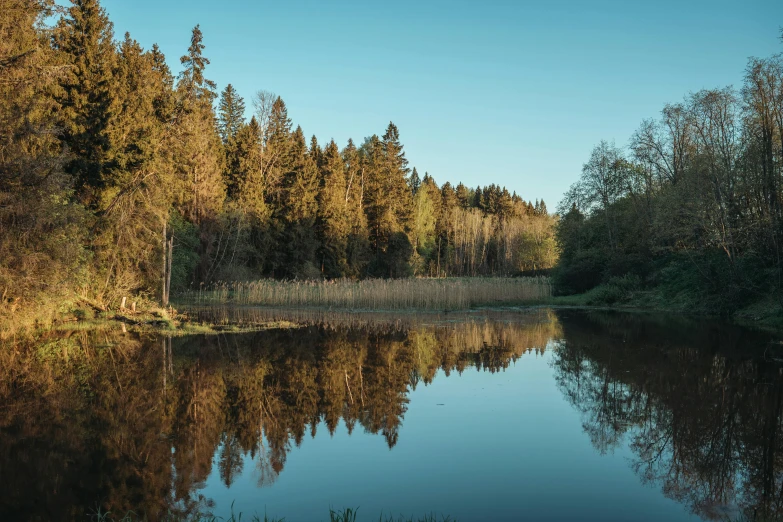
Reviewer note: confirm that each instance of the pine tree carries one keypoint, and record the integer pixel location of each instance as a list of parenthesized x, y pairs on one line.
[(464, 197), (192, 83), (316, 154), (198, 153), (389, 199), (299, 211), (414, 182), (164, 98), (136, 192), (231, 113), (277, 153), (85, 37), (245, 180), (42, 229), (333, 217), (388, 203)]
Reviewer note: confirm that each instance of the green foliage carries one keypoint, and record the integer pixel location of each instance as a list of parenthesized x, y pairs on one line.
[(693, 211), (107, 158), (231, 113), (616, 290), (185, 258)]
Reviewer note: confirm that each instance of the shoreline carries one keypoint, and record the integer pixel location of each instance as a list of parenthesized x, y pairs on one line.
[(183, 324)]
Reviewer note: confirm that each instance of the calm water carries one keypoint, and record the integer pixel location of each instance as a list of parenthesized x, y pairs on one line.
[(535, 415)]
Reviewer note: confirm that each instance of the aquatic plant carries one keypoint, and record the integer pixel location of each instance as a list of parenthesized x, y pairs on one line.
[(377, 294), (344, 515)]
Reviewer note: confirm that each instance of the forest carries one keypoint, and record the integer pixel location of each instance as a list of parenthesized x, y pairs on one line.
[(692, 208), (119, 177)]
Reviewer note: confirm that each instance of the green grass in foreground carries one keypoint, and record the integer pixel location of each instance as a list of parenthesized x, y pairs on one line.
[(344, 515)]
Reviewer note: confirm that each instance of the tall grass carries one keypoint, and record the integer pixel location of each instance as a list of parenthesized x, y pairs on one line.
[(344, 515), (377, 294)]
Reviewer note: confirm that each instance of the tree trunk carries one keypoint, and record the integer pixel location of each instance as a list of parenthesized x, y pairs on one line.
[(163, 296)]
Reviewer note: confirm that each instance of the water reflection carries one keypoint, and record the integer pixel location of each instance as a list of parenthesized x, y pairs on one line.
[(699, 406), (130, 422)]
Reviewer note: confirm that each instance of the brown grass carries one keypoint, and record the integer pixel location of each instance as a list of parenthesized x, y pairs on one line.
[(377, 294)]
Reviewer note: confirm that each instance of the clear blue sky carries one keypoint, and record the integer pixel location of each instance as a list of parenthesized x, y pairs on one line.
[(510, 92)]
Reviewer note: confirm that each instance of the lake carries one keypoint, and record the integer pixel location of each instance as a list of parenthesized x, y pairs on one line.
[(506, 415)]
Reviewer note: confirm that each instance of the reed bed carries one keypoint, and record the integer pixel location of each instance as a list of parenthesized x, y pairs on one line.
[(377, 294), (339, 515)]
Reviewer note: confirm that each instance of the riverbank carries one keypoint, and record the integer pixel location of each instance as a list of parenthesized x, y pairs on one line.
[(382, 295), (765, 312), (225, 313)]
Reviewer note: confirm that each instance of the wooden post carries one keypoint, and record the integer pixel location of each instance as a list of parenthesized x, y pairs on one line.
[(133, 307), (122, 304)]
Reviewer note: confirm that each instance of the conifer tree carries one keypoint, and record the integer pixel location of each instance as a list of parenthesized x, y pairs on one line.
[(300, 206), (192, 83), (85, 38), (333, 217), (315, 152), (136, 192), (199, 157), (245, 180), (414, 181), (396, 173), (464, 197), (277, 153), (388, 202), (231, 113), (42, 229), (164, 98)]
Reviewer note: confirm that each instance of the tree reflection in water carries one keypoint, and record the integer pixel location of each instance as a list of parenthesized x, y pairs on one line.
[(127, 422), (699, 406)]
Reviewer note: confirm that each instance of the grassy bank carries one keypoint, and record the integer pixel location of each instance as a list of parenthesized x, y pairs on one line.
[(377, 294), (626, 293)]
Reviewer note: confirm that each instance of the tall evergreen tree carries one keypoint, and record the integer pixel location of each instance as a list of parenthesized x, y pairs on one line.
[(299, 212), (333, 217), (192, 83), (414, 181), (136, 192), (277, 153), (231, 113), (244, 180), (199, 157), (85, 37)]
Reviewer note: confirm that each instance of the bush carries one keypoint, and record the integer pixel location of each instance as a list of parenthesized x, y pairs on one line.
[(616, 290)]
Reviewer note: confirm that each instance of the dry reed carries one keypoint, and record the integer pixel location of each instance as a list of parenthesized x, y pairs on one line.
[(377, 294)]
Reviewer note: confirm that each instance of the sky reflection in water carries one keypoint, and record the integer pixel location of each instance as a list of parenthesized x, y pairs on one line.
[(501, 416)]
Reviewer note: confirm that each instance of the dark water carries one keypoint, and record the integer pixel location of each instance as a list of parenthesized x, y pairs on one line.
[(536, 415)]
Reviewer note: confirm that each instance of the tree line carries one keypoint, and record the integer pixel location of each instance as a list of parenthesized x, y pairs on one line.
[(119, 177), (693, 204)]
